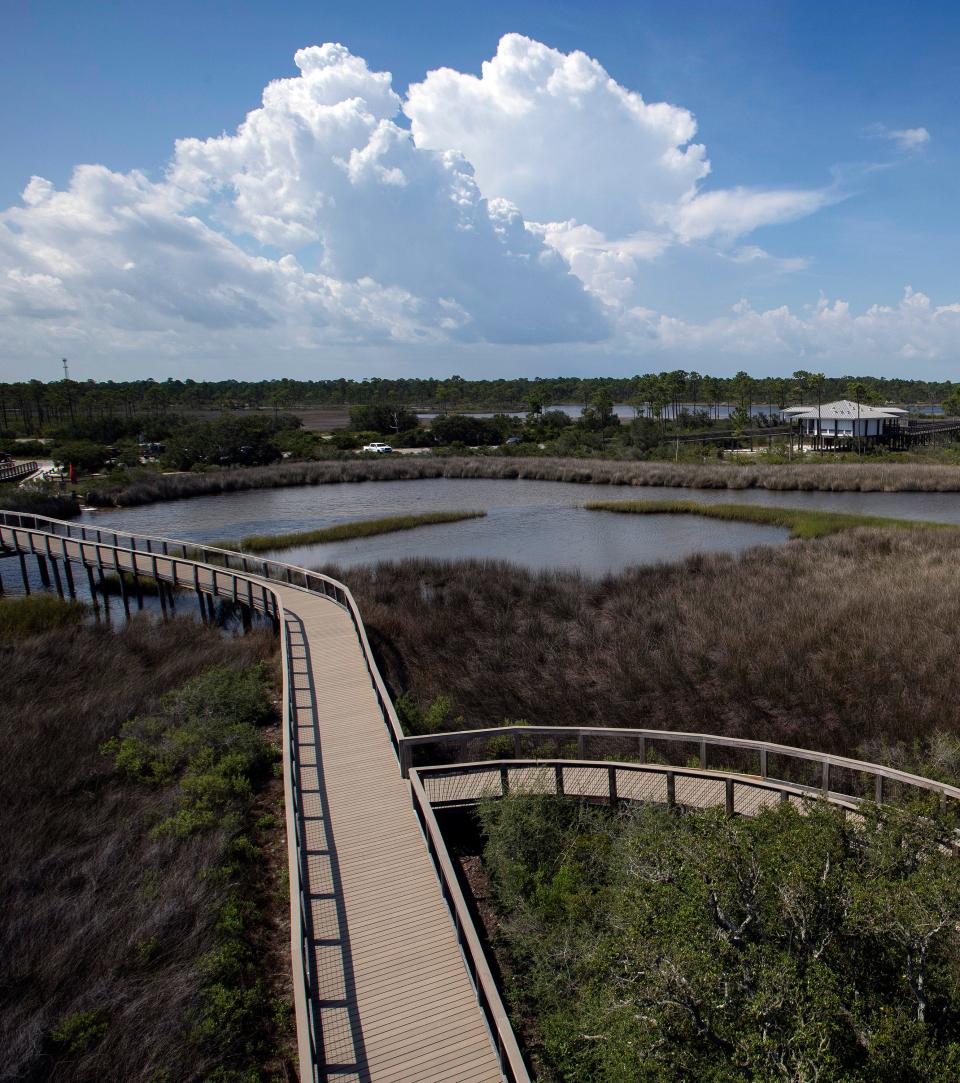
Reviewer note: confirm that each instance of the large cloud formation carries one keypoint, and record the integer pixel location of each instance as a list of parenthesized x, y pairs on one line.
[(318, 219), (613, 179), (521, 208)]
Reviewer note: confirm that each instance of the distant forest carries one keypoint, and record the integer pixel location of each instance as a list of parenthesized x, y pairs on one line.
[(33, 405)]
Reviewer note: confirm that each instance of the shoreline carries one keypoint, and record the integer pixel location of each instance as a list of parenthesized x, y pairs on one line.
[(853, 477)]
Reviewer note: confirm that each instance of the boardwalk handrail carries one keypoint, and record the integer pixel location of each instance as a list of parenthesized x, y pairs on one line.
[(488, 995), (554, 774), (16, 471), (276, 571), (828, 764)]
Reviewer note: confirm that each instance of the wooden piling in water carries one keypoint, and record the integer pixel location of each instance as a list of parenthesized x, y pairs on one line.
[(103, 593), (125, 595), (56, 576), (93, 591), (23, 572), (71, 586), (44, 570)]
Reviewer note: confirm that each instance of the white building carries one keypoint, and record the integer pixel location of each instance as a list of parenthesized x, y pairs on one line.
[(843, 421)]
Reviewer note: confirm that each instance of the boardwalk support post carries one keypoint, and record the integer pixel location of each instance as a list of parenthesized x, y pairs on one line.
[(93, 590), (56, 576), (729, 799), (124, 593), (44, 571), (71, 586)]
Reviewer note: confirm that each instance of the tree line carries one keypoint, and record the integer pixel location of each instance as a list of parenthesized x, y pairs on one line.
[(32, 406)]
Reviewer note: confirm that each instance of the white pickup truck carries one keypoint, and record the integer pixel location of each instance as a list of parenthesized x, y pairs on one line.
[(379, 448)]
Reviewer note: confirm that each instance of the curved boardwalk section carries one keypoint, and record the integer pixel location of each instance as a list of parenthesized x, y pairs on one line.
[(387, 995)]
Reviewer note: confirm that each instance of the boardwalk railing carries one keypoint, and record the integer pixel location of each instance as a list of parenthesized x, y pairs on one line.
[(214, 557), (488, 995), (740, 795), (16, 471), (837, 777)]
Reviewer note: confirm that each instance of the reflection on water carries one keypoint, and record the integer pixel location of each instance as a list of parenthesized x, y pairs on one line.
[(535, 523)]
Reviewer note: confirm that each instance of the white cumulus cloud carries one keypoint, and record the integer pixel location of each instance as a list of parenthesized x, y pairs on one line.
[(318, 220), (613, 178), (554, 133)]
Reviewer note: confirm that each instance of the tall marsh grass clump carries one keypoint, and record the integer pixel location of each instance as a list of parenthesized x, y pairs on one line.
[(37, 614), (801, 522), (830, 477), (362, 528)]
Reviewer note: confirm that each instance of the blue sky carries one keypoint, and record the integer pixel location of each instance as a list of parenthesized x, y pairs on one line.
[(830, 131)]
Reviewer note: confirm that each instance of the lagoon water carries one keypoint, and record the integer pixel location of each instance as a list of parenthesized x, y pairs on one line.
[(538, 524)]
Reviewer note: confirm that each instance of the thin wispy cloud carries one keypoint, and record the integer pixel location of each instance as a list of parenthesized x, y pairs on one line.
[(906, 140)]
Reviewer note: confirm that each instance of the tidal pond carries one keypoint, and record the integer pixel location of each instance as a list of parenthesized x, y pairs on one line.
[(538, 524)]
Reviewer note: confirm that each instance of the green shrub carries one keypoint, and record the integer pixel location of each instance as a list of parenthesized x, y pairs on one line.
[(80, 1032)]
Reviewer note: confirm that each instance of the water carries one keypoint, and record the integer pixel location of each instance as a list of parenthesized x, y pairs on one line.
[(621, 409), (627, 413), (537, 524)]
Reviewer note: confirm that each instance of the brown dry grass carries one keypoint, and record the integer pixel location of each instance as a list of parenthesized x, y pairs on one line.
[(99, 916), (827, 643), (830, 477)]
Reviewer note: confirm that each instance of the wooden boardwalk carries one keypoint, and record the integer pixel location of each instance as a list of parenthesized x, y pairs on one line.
[(396, 1002), (392, 999)]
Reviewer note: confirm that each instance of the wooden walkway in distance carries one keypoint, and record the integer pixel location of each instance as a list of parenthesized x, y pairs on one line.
[(393, 1000)]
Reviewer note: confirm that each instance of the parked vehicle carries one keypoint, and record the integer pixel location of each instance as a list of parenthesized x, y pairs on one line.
[(376, 446)]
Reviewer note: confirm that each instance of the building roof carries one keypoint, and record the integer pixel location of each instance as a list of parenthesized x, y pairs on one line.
[(844, 409)]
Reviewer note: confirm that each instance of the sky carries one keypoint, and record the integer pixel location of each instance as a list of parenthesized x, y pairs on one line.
[(319, 191)]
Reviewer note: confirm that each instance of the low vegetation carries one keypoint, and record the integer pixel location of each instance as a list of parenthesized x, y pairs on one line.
[(831, 642), (362, 528), (651, 946), (801, 523), (143, 867), (36, 614), (38, 502), (833, 477), (143, 584)]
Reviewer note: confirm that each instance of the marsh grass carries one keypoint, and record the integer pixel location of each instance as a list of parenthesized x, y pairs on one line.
[(827, 643), (36, 614), (362, 528), (115, 950), (800, 522), (829, 477), (111, 584)]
